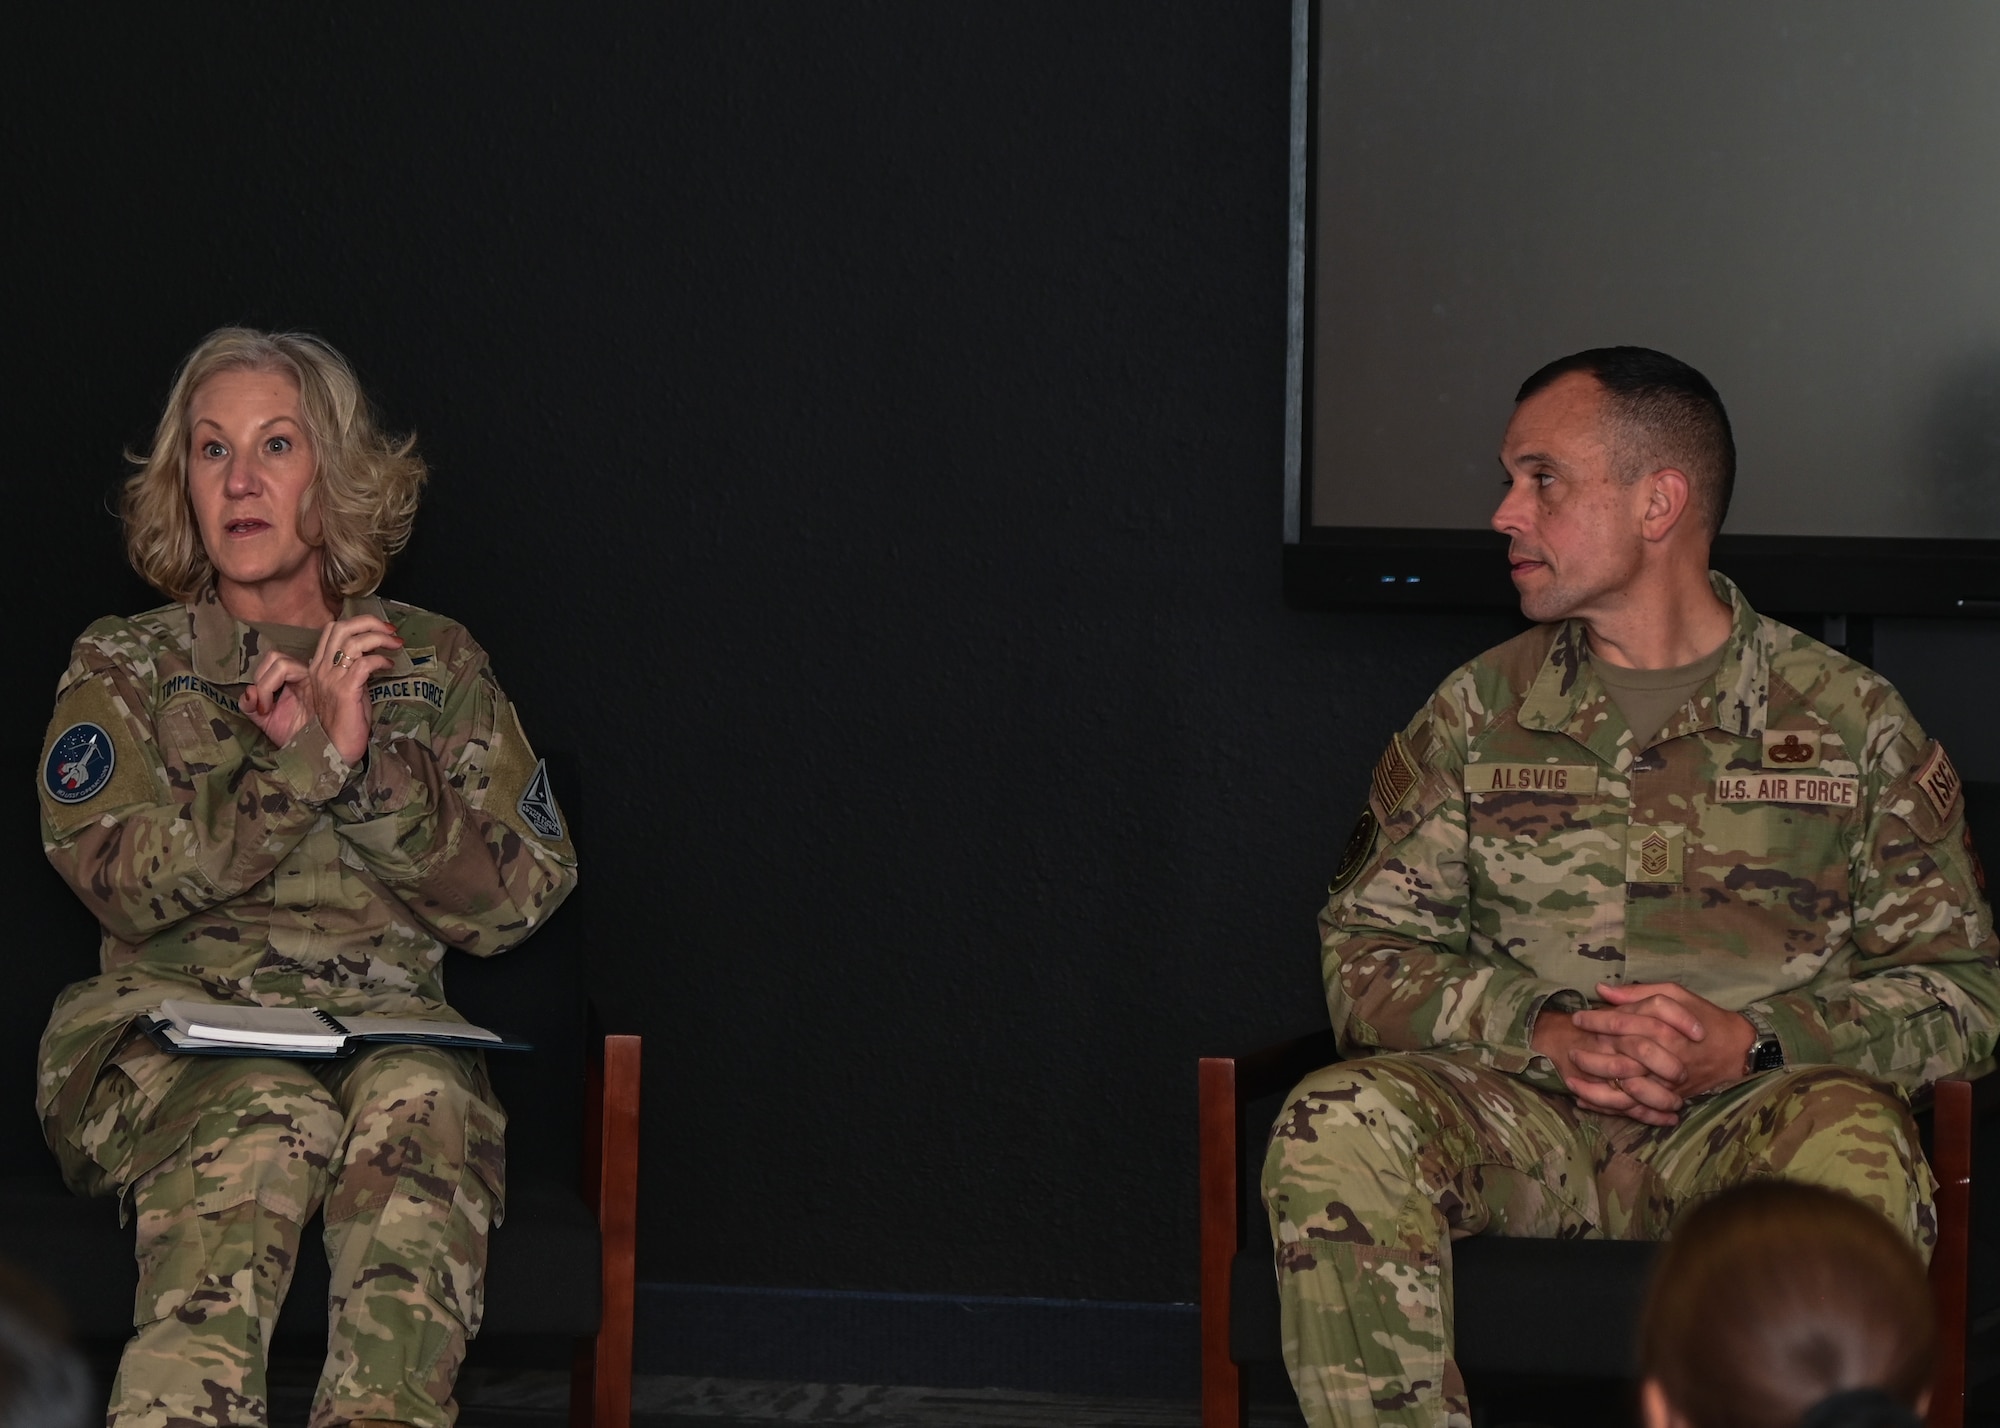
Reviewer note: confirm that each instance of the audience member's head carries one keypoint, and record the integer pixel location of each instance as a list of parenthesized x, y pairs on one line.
[(1786, 1306), (1665, 414), (44, 1382)]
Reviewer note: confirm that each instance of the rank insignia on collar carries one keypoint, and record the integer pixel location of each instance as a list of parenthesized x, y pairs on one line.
[(80, 764), (538, 804), (1792, 749)]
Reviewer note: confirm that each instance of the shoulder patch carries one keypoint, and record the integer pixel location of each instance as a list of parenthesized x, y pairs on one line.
[(80, 763), (89, 762), (1938, 781), (1354, 857), (538, 804), (1395, 776)]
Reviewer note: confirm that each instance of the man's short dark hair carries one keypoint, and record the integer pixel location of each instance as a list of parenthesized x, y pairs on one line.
[(1668, 415)]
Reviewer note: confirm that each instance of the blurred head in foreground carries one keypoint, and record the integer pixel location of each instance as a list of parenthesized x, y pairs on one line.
[(1786, 1306)]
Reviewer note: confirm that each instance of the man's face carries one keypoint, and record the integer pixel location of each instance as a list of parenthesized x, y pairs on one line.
[(1574, 533)]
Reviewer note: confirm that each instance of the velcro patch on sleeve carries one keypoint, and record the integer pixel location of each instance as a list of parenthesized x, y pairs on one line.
[(1938, 781), (518, 791), (1395, 776), (90, 764)]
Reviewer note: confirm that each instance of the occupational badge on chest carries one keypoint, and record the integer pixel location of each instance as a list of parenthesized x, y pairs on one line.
[(1653, 853), (1792, 748)]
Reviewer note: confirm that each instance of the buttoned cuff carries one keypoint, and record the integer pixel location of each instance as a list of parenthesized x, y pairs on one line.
[(311, 768)]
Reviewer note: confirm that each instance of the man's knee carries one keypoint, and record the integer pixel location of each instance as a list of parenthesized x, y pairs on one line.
[(1346, 1152), (1832, 1126)]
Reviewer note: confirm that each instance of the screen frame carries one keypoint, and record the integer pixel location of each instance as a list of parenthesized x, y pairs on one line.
[(1407, 568)]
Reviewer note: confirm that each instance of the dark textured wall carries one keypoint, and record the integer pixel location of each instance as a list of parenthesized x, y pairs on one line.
[(857, 437)]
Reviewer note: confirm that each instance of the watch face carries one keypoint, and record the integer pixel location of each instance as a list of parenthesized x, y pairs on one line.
[(1770, 1056)]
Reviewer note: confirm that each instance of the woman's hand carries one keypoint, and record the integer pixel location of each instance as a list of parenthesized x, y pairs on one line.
[(351, 652), (333, 688)]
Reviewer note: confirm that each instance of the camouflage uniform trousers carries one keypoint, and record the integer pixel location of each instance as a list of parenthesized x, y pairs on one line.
[(401, 1144), (1375, 1165)]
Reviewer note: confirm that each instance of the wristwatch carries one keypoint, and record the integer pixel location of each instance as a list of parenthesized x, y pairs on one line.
[(1767, 1053)]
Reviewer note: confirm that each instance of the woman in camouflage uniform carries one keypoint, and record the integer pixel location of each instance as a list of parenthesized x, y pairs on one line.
[(282, 790)]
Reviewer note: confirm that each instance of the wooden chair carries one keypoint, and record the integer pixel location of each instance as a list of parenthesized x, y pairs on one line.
[(1534, 1307)]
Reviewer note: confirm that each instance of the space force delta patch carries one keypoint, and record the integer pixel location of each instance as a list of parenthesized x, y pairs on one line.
[(538, 804), (80, 764)]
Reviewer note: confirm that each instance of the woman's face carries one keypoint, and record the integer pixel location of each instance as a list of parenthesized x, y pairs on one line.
[(249, 465)]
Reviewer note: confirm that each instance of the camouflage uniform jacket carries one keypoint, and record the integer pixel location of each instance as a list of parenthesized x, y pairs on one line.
[(222, 867), (1790, 846)]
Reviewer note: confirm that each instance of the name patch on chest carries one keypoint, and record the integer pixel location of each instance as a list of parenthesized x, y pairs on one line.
[(1531, 778), (195, 684), (427, 691), (1788, 788)]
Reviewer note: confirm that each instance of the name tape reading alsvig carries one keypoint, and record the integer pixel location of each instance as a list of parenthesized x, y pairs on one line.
[(1530, 778)]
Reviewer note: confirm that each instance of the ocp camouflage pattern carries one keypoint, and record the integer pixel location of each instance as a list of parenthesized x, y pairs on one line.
[(1377, 1165), (1541, 849), (219, 866), (409, 1194)]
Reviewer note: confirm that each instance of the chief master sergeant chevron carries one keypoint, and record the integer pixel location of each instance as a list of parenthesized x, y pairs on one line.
[(1657, 897)]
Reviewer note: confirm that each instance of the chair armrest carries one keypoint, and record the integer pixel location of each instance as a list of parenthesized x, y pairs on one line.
[(1226, 1083), (601, 1381)]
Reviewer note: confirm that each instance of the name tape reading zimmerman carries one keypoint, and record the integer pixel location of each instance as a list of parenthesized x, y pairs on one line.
[(1530, 778), (1788, 788)]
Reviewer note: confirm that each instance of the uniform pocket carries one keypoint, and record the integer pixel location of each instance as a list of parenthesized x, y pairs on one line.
[(478, 1203)]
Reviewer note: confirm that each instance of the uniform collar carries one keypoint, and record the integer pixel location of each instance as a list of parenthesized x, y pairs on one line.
[(1567, 696), (226, 650)]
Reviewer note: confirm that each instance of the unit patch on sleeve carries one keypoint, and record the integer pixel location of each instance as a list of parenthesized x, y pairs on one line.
[(1354, 857), (1395, 776), (538, 804), (1939, 781), (80, 763)]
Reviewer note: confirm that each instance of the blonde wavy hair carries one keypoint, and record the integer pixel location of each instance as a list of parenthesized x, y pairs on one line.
[(365, 485)]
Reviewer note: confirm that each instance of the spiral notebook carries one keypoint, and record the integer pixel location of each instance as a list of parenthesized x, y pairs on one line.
[(217, 1029)]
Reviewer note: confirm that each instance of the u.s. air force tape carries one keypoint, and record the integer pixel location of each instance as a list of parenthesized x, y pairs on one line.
[(79, 764)]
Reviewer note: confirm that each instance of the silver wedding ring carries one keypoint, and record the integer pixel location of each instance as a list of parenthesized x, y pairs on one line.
[(339, 658)]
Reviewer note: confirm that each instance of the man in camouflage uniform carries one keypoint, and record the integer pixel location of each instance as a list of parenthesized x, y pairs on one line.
[(226, 869), (1590, 973)]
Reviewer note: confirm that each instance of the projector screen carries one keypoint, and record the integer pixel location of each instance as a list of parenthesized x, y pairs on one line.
[(1800, 199)]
